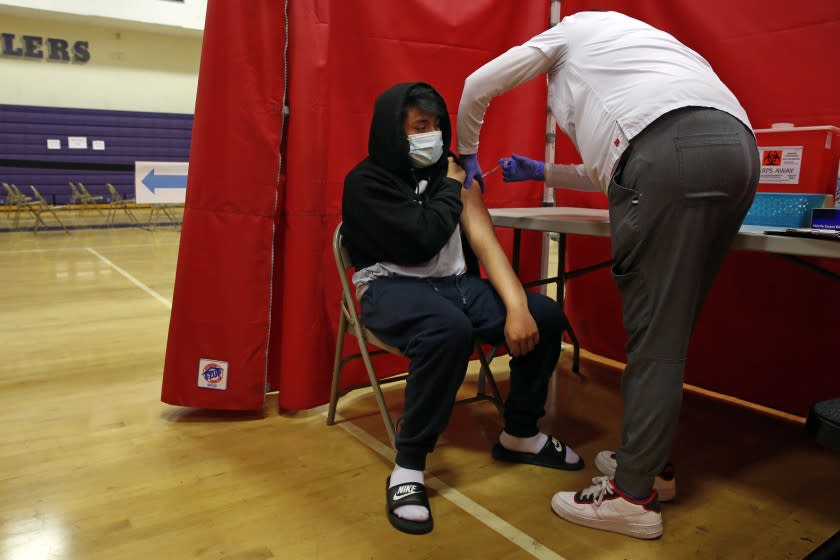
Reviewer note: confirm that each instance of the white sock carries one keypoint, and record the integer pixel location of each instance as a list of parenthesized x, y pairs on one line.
[(401, 476), (532, 444)]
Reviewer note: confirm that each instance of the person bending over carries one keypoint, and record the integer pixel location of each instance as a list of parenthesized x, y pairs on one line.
[(673, 150)]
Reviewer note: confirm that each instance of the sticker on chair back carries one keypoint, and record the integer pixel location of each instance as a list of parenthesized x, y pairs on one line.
[(212, 374)]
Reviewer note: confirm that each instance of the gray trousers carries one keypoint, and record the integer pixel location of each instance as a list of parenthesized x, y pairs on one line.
[(676, 202)]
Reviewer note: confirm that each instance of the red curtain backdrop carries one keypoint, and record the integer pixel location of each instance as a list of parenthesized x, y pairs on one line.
[(341, 56), (256, 285), (768, 333), (220, 307)]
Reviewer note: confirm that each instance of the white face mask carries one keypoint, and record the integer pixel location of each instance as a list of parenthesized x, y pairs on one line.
[(425, 149)]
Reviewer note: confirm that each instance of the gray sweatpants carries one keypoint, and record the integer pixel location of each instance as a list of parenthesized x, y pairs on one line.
[(676, 202)]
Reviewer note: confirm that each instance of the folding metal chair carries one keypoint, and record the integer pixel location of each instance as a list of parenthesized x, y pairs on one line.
[(350, 322), (15, 198), (81, 196), (39, 206), (166, 210), (10, 201), (75, 195), (119, 203), (93, 200)]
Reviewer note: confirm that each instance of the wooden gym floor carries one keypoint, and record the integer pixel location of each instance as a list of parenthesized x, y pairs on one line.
[(94, 466)]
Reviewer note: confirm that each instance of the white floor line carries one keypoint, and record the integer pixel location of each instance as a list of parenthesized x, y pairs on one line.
[(132, 279), (482, 514)]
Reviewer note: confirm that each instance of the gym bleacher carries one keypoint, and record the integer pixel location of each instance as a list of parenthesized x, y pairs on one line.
[(127, 136)]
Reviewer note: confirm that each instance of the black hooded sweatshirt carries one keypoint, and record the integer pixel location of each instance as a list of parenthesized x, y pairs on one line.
[(384, 219)]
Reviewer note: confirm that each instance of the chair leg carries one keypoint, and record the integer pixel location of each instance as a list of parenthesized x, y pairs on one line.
[(486, 375), (374, 381), (17, 216), (485, 360), (337, 364), (130, 215), (575, 350), (39, 221), (59, 221), (377, 390)]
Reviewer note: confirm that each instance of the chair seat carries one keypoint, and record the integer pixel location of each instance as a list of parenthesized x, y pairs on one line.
[(824, 423), (376, 341)]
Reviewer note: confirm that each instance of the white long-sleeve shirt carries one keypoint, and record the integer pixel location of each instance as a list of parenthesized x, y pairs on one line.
[(609, 76), (569, 177)]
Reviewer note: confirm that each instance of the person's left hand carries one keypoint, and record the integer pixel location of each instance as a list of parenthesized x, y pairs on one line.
[(519, 168), (470, 164), (521, 333)]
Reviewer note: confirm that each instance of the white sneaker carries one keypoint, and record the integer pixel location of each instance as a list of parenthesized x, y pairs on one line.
[(604, 506), (665, 482)]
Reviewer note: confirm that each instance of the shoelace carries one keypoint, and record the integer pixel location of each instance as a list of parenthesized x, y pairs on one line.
[(600, 488)]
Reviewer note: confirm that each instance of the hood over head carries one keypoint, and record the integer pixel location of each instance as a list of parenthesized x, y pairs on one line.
[(387, 143)]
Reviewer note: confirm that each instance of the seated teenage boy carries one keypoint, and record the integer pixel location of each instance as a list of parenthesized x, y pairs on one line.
[(413, 235)]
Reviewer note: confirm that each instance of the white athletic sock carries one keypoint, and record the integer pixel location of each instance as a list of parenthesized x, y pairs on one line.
[(532, 444), (401, 476)]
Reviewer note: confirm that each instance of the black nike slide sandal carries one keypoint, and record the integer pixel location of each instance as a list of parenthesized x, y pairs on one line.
[(408, 494), (552, 455)]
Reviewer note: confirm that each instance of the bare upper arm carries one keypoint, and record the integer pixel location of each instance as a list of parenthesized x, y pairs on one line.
[(475, 219)]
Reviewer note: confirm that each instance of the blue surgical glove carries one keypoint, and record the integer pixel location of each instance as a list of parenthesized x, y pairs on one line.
[(470, 164), (520, 168)]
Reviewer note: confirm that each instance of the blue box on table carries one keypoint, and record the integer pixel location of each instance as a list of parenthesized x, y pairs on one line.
[(783, 209)]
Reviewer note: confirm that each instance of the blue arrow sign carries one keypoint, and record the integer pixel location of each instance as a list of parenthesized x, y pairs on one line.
[(154, 181)]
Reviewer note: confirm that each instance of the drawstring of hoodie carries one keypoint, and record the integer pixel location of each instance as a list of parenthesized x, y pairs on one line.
[(461, 289), (456, 281), (416, 186)]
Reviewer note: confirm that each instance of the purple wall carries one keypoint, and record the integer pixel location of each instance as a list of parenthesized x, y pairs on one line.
[(129, 136)]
